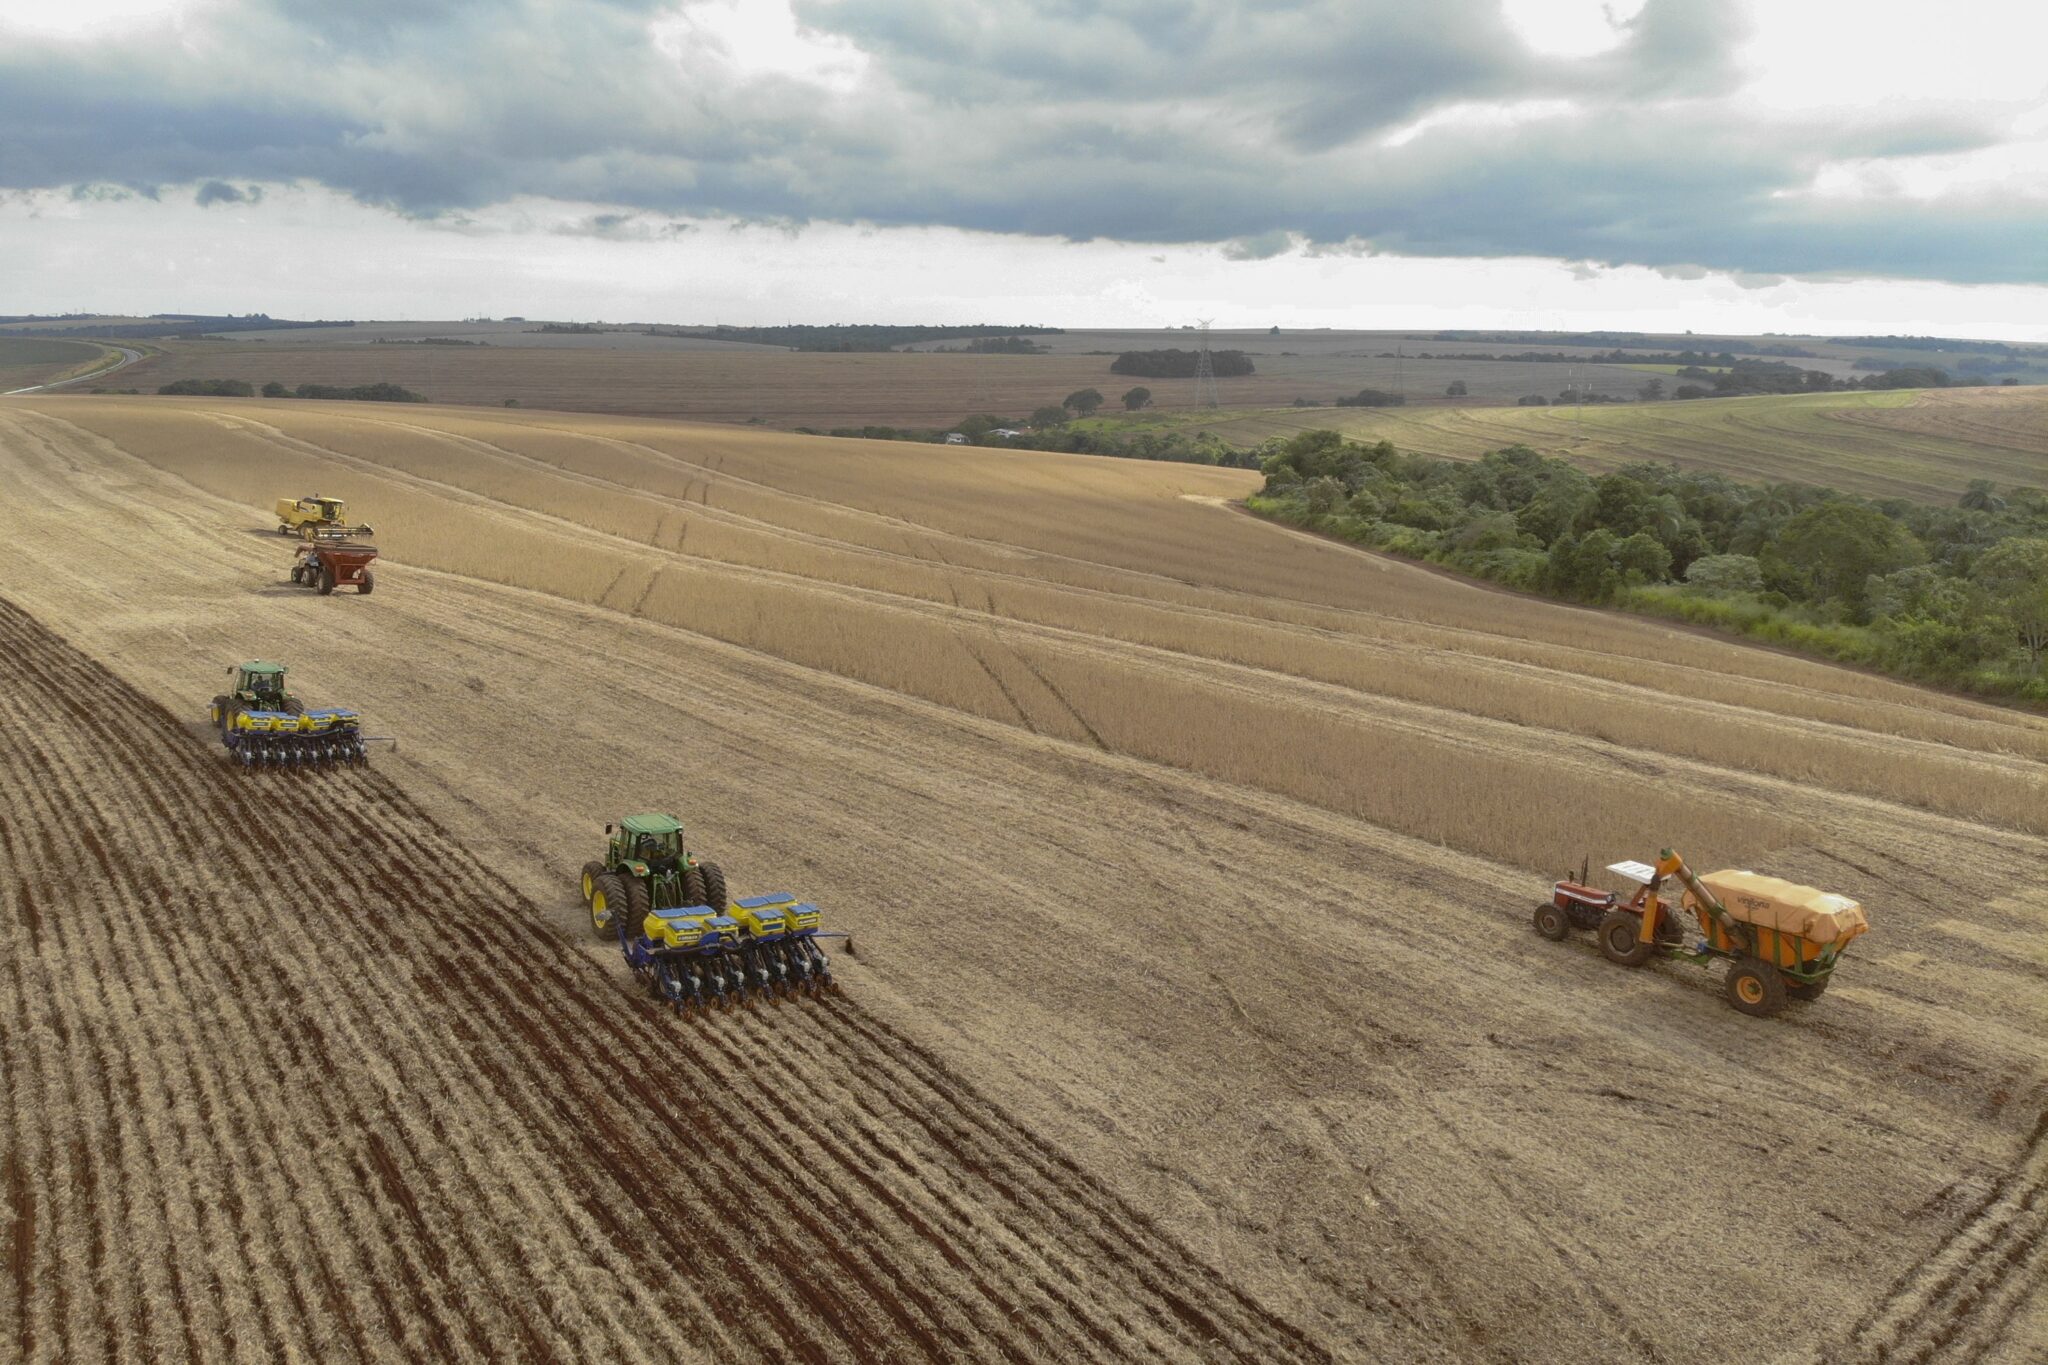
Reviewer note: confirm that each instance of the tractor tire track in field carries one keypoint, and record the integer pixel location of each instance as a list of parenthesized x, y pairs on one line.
[(1958, 1302), (290, 1075)]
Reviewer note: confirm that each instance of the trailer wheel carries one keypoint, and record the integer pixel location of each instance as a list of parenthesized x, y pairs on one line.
[(1552, 922), (369, 581), (1803, 990), (1755, 987), (592, 870), (607, 899), (714, 886), (326, 579), (1619, 936)]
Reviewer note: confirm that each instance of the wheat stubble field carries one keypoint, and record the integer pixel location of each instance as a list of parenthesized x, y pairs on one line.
[(1195, 1013)]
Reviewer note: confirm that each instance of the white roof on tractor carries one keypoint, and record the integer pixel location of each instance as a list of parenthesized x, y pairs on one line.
[(1640, 873)]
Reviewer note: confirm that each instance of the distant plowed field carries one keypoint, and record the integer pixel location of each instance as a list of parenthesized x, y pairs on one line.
[(1195, 1009)]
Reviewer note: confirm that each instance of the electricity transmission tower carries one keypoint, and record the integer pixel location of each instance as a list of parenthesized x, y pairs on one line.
[(1205, 371)]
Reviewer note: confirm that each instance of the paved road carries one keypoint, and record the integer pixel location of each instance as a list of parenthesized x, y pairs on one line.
[(128, 357)]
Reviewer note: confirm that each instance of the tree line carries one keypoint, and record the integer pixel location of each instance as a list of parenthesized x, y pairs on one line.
[(241, 388), (1950, 594)]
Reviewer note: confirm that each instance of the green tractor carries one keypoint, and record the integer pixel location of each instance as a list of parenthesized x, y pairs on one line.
[(647, 868)]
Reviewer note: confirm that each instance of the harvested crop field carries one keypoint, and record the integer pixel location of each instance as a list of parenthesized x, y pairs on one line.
[(1912, 443), (1196, 1009)]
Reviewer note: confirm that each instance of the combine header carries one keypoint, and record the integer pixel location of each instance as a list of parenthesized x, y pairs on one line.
[(689, 946), (1781, 940), (263, 725)]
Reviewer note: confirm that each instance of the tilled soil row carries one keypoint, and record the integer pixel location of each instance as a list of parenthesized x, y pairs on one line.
[(1960, 1302), (290, 1075)]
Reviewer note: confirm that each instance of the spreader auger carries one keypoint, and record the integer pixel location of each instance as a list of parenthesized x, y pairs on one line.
[(667, 910), (264, 726)]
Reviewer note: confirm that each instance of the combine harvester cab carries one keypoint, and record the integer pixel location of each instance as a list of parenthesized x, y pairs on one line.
[(689, 945), (264, 726)]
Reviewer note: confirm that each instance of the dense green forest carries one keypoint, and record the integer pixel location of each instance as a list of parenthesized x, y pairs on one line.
[(1956, 595)]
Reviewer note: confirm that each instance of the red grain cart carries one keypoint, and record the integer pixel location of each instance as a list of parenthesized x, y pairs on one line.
[(328, 564)]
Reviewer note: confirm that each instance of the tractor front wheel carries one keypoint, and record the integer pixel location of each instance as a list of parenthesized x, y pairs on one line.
[(592, 870), (1620, 936), (1552, 922), (607, 900), (1755, 987)]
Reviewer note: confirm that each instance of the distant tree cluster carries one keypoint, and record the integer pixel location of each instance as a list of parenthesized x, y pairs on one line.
[(240, 388), (1371, 398), (427, 341), (1179, 364), (1956, 594), (852, 336), (209, 388)]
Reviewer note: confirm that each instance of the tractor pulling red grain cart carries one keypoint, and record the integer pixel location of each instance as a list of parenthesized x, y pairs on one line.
[(325, 564), (1781, 940)]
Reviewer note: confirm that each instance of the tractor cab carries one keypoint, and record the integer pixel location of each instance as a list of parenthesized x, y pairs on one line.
[(260, 681), (650, 838), (328, 509)]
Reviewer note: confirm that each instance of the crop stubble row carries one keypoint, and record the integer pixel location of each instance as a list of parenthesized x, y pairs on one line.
[(344, 1096)]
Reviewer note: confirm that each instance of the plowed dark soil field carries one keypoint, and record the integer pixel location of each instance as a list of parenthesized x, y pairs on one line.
[(291, 1075)]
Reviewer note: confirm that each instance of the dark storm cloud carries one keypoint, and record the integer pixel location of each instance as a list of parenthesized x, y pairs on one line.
[(221, 192), (1253, 125)]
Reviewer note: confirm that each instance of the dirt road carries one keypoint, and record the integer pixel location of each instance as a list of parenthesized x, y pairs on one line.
[(1200, 852)]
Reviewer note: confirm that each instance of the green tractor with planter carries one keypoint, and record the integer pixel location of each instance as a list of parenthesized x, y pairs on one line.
[(647, 867), (686, 942)]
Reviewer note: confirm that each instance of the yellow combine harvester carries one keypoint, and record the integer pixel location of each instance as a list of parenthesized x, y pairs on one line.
[(310, 518), (1781, 940)]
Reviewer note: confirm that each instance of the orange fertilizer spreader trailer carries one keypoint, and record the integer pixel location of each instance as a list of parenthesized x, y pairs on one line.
[(1782, 940)]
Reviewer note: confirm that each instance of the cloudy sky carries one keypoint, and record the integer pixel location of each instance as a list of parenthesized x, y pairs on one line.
[(1787, 165)]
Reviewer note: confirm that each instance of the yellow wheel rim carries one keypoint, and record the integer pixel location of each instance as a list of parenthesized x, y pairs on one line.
[(1751, 990), (588, 888), (600, 913)]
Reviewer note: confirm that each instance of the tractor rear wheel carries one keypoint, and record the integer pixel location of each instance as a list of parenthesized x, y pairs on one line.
[(637, 904), (1806, 990), (592, 870), (607, 900), (1755, 987), (1552, 922), (326, 580), (1620, 936), (714, 886), (369, 581)]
